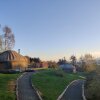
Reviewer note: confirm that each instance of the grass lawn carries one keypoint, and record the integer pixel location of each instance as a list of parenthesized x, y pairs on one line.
[(7, 86), (51, 83), (39, 69)]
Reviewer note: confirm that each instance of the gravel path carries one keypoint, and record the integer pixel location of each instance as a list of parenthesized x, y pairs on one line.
[(74, 91), (25, 90)]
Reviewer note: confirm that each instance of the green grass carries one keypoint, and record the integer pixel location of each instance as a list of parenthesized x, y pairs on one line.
[(5, 92), (51, 83), (39, 69)]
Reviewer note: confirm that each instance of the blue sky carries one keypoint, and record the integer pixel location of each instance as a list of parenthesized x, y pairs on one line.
[(52, 29)]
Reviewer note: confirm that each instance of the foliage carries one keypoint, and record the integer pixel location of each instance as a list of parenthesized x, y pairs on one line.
[(51, 83), (88, 63), (73, 60), (52, 64), (35, 62), (93, 85), (62, 61)]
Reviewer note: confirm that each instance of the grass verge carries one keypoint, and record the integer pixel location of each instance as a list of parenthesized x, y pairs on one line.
[(7, 86), (51, 83)]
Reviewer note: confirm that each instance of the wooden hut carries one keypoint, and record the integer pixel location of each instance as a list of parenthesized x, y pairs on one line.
[(13, 60)]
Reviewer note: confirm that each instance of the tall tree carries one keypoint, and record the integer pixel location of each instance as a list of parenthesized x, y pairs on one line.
[(1, 43), (73, 60), (9, 38), (82, 63)]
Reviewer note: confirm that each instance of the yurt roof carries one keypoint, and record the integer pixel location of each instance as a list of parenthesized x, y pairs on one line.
[(11, 55), (67, 66)]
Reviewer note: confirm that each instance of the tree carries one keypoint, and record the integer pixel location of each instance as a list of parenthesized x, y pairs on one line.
[(36, 60), (62, 61), (93, 85), (89, 63), (92, 89), (52, 64), (1, 45), (82, 63), (7, 40), (73, 60), (1, 40)]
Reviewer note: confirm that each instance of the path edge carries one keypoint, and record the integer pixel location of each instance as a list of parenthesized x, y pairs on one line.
[(17, 97), (83, 93), (61, 95), (37, 92)]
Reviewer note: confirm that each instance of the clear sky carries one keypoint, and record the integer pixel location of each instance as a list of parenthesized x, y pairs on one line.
[(52, 29)]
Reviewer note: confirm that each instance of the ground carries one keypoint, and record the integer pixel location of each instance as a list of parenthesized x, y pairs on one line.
[(7, 86), (74, 91), (25, 90), (51, 83)]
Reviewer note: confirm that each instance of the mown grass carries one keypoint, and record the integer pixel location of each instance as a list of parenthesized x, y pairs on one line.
[(39, 69), (7, 86), (51, 83)]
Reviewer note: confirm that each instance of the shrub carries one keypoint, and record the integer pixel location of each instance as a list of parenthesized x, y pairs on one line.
[(93, 85)]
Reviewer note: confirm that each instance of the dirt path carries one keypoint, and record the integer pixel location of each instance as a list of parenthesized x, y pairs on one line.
[(25, 90), (74, 91)]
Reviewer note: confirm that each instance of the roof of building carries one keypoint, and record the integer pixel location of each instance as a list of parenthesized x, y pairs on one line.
[(11, 55), (67, 66)]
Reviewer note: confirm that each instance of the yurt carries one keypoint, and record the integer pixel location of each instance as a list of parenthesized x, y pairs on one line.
[(12, 60), (68, 67)]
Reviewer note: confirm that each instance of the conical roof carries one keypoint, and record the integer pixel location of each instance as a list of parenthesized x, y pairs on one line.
[(11, 55)]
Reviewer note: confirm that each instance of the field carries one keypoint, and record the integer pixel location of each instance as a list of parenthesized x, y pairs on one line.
[(51, 83), (7, 86)]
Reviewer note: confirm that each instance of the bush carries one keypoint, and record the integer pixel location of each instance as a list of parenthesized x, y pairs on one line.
[(59, 73), (93, 85)]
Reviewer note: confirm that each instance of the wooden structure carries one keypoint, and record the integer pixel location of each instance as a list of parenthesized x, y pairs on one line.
[(13, 60)]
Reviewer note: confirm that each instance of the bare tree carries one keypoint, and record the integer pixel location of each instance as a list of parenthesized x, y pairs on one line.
[(9, 38), (1, 41)]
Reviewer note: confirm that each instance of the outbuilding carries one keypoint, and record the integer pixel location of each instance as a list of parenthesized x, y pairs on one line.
[(12, 60), (68, 67)]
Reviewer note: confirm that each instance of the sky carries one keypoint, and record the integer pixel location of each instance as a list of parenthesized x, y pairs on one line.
[(53, 29)]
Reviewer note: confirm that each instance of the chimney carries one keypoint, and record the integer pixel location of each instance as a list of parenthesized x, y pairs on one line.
[(19, 51)]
